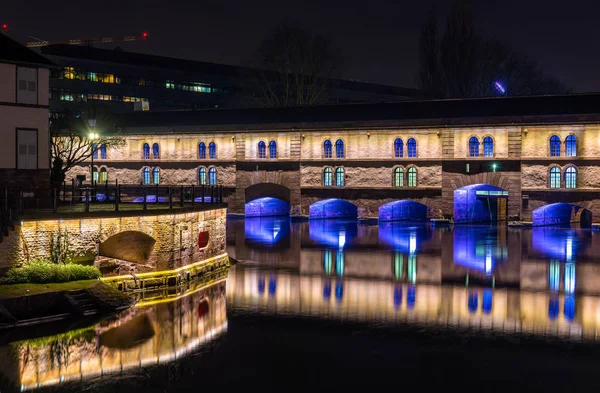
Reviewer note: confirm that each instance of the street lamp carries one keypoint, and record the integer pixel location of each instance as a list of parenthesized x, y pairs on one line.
[(93, 137)]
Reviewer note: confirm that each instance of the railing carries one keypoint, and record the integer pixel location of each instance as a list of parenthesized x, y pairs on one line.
[(6, 222), (108, 197)]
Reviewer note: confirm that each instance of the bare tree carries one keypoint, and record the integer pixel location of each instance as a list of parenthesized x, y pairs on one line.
[(462, 64), (71, 144), (295, 66)]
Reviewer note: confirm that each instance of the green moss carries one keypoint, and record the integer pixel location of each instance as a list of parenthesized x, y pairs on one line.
[(19, 290), (46, 272)]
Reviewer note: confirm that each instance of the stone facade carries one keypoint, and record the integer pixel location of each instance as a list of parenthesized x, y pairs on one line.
[(153, 242), (519, 163)]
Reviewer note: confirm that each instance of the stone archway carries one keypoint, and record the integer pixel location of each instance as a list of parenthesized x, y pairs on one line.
[(562, 214), (252, 185), (130, 246)]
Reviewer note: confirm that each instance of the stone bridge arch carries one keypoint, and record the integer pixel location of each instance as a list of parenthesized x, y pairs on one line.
[(281, 184), (131, 246)]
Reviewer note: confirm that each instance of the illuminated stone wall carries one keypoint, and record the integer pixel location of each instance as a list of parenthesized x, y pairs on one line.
[(175, 237), (443, 163)]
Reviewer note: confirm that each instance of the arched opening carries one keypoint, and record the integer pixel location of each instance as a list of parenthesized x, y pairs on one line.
[(403, 211), (267, 206), (562, 214), (332, 208), (480, 203), (119, 246), (267, 199)]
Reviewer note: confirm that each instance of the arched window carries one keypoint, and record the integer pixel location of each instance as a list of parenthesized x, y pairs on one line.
[(146, 175), (571, 146), (412, 177), (103, 175), (473, 147), (94, 151), (488, 147), (339, 177), (327, 177), (155, 151), (411, 144), (554, 146), (273, 149), (95, 175), (103, 151), (202, 150), (212, 176), (212, 150), (398, 148), (398, 177), (555, 177), (339, 148), (146, 151), (202, 176), (571, 177), (262, 149), (156, 175), (327, 149)]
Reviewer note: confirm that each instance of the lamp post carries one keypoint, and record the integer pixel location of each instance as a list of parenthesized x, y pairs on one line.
[(93, 137)]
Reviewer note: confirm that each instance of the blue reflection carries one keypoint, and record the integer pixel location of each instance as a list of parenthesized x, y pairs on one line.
[(332, 208), (261, 284), (569, 308), (272, 285), (570, 278), (411, 296), (553, 307), (332, 233), (327, 290), (266, 207), (473, 301), (397, 295), (339, 263), (488, 300), (554, 275), (558, 243), (404, 237), (267, 231), (479, 248), (339, 290)]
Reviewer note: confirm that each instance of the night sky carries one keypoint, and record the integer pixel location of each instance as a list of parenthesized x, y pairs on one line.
[(379, 39)]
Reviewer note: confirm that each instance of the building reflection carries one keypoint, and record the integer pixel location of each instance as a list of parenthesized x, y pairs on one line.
[(162, 327)]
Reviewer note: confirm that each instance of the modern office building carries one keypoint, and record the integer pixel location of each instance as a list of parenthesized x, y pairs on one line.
[(124, 81), (491, 159), (24, 151)]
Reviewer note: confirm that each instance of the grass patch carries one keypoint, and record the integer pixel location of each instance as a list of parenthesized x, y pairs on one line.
[(19, 290), (46, 272)]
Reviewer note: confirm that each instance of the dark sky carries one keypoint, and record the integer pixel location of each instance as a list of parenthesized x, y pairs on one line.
[(378, 38)]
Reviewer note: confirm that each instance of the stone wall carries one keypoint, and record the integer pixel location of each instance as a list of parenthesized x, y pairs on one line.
[(175, 238)]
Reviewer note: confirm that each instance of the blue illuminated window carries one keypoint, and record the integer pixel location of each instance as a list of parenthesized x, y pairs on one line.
[(571, 146), (412, 147), (155, 151), (339, 148), (554, 177), (554, 146), (488, 147), (398, 148), (327, 149), (202, 176), (146, 151), (412, 177), (327, 177), (94, 150), (146, 175), (273, 149), (212, 176), (212, 150), (474, 147), (202, 150), (103, 151), (339, 177), (156, 175), (262, 149), (398, 177), (571, 177)]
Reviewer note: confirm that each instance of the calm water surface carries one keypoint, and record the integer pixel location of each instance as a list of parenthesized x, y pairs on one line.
[(325, 304)]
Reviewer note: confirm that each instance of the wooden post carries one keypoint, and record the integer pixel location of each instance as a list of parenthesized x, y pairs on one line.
[(145, 197), (156, 195), (181, 197), (193, 196), (203, 187), (170, 197)]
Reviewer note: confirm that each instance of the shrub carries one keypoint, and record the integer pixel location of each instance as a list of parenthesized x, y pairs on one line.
[(46, 272)]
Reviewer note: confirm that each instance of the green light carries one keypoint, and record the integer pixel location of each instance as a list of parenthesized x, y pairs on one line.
[(494, 165)]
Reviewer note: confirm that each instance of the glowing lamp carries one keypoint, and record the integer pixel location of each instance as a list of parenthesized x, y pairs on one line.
[(499, 87), (145, 34), (4, 26)]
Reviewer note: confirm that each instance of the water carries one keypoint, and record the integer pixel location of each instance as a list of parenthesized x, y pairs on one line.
[(333, 303)]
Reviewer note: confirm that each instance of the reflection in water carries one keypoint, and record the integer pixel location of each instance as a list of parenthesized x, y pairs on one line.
[(333, 233), (404, 237), (480, 248), (159, 329), (267, 232), (560, 243)]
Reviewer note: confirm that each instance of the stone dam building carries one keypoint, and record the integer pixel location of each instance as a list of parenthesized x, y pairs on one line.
[(493, 159)]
